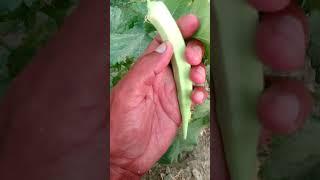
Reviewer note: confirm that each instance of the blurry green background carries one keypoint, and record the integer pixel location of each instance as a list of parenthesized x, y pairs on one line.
[(25, 25)]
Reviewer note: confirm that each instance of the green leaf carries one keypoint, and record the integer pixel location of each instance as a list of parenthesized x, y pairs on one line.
[(118, 2), (4, 72), (178, 8), (117, 21), (124, 18), (309, 5), (200, 120), (24, 26), (314, 48), (201, 8), (29, 2), (201, 111), (118, 70), (128, 36), (42, 29), (181, 145), (295, 157), (7, 26), (58, 10), (14, 39), (314, 4), (4, 84), (9, 5), (128, 45)]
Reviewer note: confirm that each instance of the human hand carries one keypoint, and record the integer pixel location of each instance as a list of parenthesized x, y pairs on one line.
[(144, 111), (281, 41)]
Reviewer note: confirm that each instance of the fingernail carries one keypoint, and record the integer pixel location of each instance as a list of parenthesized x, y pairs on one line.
[(162, 48)]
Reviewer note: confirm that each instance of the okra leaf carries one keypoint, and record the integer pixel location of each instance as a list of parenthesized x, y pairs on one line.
[(4, 84), (4, 54), (178, 8), (128, 35), (312, 4), (201, 8), (181, 145), (124, 18), (128, 45), (7, 26), (314, 48), (200, 120), (118, 70), (29, 2), (22, 53), (4, 72), (9, 5)]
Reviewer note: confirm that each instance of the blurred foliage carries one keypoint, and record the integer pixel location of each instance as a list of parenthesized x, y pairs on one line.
[(25, 25)]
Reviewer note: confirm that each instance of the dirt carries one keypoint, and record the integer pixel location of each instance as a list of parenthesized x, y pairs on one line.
[(196, 165)]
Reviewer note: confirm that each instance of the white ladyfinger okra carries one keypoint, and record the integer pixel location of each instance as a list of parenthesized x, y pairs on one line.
[(160, 17)]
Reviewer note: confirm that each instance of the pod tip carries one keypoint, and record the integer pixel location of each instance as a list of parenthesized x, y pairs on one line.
[(185, 131)]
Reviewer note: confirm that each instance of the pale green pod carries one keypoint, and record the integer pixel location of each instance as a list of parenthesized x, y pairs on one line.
[(238, 83), (160, 17)]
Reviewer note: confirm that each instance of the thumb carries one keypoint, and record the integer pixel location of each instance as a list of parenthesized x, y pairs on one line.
[(155, 61), (146, 68)]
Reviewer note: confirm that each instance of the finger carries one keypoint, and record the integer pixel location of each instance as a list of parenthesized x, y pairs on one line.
[(198, 74), (194, 52), (280, 43), (152, 46), (144, 70), (294, 10), (187, 24), (284, 106), (199, 95), (269, 5), (157, 60)]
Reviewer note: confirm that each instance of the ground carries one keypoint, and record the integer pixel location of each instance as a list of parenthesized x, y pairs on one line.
[(195, 166)]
